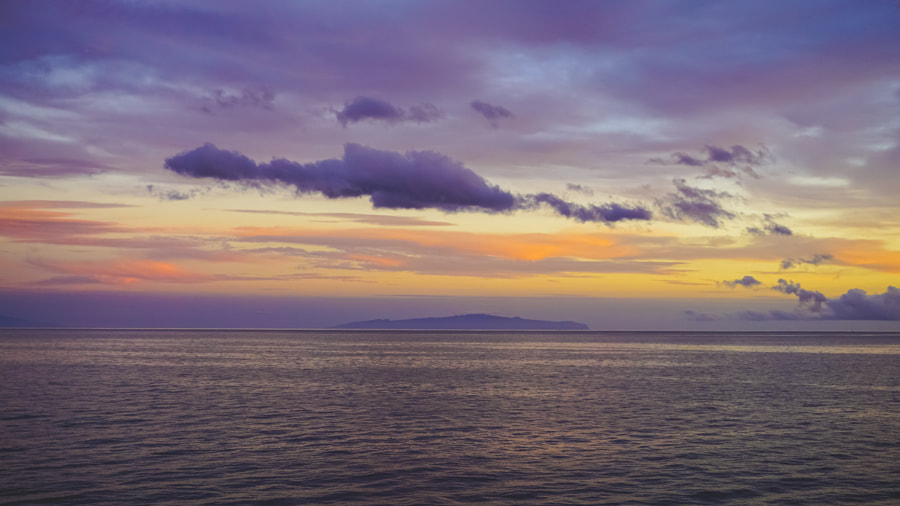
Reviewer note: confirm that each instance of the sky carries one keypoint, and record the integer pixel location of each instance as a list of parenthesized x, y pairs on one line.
[(632, 165)]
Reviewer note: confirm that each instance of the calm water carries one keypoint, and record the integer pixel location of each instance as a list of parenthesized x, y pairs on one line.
[(222, 417)]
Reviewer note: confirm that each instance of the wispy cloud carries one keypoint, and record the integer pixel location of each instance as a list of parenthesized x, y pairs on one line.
[(700, 205), (492, 113), (118, 272), (770, 226), (818, 258), (372, 219)]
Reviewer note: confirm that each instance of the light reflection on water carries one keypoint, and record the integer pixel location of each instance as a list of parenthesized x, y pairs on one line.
[(331, 417)]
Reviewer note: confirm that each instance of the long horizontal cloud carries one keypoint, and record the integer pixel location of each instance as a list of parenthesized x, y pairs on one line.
[(415, 180)]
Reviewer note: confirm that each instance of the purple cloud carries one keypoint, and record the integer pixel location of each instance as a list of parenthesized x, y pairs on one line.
[(816, 259), (171, 194), (493, 113), (810, 299), (857, 305), (260, 98), (610, 212), (746, 282), (52, 167), (733, 156), (580, 188), (738, 154), (695, 204), (415, 180), (368, 108), (770, 227)]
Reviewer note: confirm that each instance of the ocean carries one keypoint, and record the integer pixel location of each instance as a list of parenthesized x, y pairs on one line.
[(380, 417)]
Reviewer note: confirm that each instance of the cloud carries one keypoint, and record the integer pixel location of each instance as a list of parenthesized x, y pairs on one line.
[(448, 252), (812, 300), (368, 108), (262, 98), (770, 227), (415, 180), (117, 272), (52, 167), (695, 204), (609, 213), (857, 305), (493, 113), (730, 173), (172, 194), (746, 281), (734, 156), (580, 188), (738, 154), (816, 259), (372, 219), (29, 224), (696, 316)]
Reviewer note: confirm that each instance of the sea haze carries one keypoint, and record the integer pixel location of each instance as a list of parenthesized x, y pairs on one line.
[(411, 417)]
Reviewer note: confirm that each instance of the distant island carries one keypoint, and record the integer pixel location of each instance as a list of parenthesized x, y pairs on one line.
[(464, 322)]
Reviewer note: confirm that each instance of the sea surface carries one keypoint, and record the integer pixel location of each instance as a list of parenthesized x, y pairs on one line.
[(313, 417)]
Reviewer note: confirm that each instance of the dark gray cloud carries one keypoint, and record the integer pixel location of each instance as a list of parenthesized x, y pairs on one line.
[(746, 281), (415, 180), (695, 204), (493, 113), (367, 108), (816, 259)]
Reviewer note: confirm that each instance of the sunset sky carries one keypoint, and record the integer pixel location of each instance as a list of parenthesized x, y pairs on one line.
[(644, 165)]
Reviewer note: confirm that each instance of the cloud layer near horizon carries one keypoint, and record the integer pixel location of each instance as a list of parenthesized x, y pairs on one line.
[(415, 180), (855, 304)]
